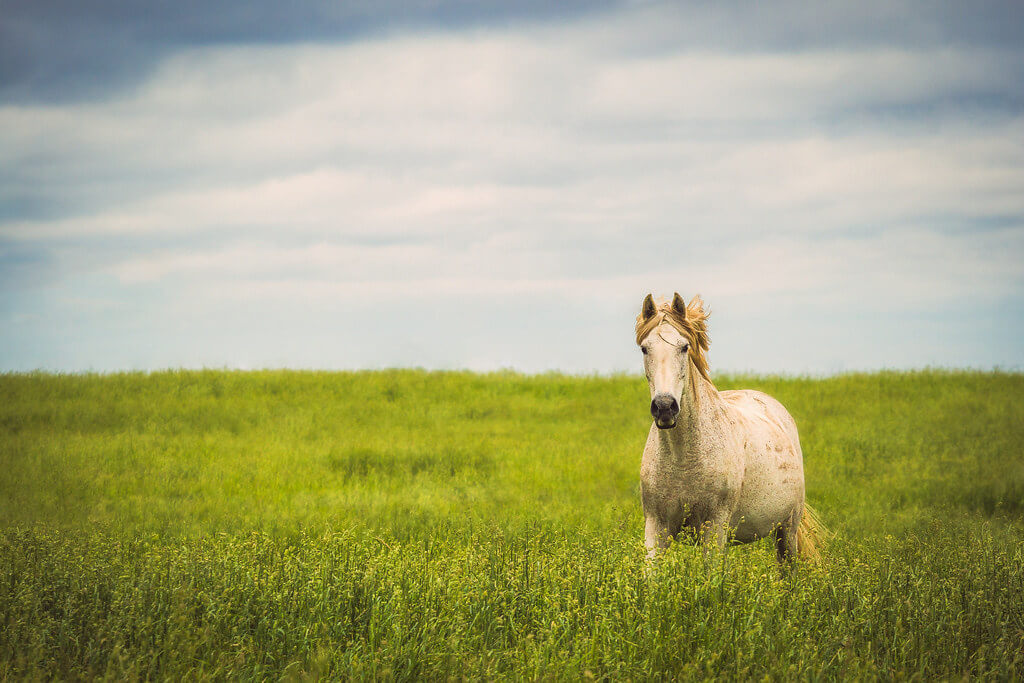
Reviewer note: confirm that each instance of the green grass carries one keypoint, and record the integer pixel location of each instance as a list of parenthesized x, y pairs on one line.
[(407, 524)]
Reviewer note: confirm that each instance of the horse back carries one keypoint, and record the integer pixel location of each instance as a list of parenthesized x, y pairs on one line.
[(762, 413)]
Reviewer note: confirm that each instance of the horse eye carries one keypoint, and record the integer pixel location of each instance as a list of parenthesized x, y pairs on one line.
[(684, 348), (644, 350)]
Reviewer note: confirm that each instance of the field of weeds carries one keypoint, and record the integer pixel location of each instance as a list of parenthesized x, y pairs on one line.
[(407, 524)]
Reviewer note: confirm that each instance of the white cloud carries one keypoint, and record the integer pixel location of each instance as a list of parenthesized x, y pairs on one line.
[(538, 162), (892, 270)]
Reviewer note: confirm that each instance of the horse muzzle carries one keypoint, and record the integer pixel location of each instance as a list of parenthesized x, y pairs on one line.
[(664, 409)]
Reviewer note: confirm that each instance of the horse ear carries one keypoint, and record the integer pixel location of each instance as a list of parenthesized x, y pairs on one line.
[(679, 304), (647, 310)]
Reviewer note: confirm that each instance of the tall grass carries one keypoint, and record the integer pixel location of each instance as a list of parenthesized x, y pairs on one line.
[(407, 524)]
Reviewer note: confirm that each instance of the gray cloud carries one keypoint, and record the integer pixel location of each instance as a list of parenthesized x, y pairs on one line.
[(65, 50)]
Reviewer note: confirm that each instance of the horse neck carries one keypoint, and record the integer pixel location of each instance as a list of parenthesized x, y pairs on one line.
[(699, 415)]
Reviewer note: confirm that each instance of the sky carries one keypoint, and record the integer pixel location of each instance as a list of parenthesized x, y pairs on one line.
[(494, 185)]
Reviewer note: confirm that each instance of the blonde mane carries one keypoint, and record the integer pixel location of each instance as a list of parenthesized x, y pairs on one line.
[(691, 323)]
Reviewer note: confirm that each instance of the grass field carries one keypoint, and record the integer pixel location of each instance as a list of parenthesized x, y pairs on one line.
[(407, 524)]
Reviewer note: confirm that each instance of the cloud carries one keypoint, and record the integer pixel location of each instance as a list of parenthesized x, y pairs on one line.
[(66, 51), (507, 171), (243, 128), (63, 50)]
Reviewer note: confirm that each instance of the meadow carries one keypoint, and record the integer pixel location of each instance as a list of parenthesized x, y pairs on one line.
[(409, 524)]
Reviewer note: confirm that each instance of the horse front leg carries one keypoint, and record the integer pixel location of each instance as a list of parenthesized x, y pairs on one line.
[(714, 533), (656, 535)]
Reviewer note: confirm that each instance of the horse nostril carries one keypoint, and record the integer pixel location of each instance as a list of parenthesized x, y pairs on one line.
[(664, 405)]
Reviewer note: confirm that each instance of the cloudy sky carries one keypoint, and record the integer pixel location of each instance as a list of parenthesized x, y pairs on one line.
[(489, 185)]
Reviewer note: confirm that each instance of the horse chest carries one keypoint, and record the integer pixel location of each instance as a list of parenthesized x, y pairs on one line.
[(674, 489)]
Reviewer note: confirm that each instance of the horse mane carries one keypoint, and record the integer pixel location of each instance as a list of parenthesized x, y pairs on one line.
[(692, 325)]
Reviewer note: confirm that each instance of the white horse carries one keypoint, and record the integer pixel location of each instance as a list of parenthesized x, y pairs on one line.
[(715, 461)]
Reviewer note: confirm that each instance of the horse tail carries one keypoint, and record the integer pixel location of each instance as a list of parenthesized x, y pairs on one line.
[(811, 534)]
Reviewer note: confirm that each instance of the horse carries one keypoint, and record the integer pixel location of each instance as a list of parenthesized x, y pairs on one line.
[(725, 464)]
